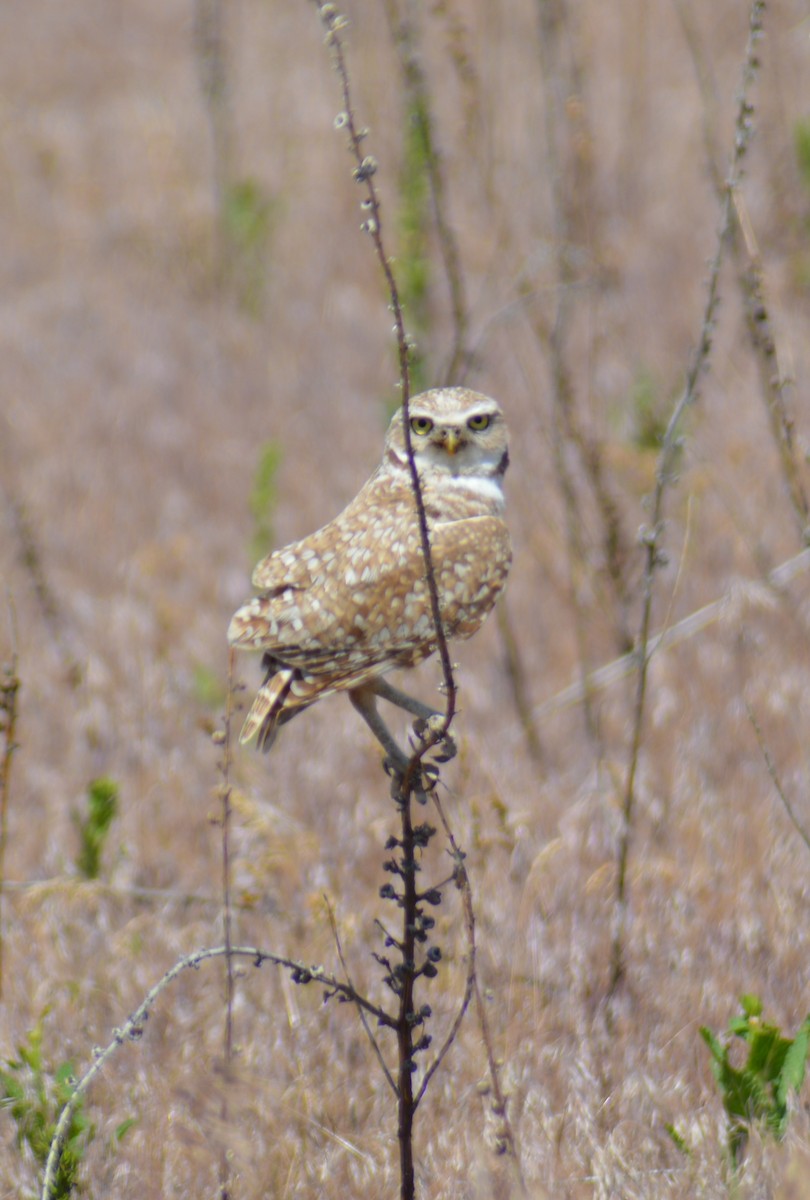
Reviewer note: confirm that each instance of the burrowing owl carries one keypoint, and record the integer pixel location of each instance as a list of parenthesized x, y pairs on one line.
[(338, 610)]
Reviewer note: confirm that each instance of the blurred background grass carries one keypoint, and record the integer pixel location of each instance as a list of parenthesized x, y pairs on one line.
[(195, 356)]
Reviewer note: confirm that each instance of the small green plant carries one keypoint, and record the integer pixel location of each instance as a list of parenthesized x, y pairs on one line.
[(414, 224), (35, 1096), (248, 219), (649, 413), (758, 1091), (801, 142), (264, 498), (209, 687), (93, 827)]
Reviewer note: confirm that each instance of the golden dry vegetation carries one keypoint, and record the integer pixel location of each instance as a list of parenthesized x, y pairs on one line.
[(140, 379)]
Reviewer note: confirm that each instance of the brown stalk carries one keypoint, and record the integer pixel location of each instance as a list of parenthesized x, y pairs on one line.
[(404, 36), (775, 384), (212, 64), (225, 824), (364, 172), (567, 431), (507, 1142), (405, 1024), (9, 689), (652, 535)]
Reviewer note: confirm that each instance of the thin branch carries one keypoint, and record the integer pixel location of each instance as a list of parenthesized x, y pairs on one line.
[(52, 611), (365, 169), (363, 1018), (774, 774), (774, 382), (133, 1029), (566, 429), (516, 675), (9, 689), (462, 883), (225, 795), (416, 86), (672, 635), (506, 1136), (212, 64), (776, 385), (651, 536)]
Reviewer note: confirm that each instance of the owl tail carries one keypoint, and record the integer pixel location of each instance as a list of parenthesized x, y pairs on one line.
[(266, 709)]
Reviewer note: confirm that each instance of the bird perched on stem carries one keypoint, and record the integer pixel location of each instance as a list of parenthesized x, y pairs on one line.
[(338, 610)]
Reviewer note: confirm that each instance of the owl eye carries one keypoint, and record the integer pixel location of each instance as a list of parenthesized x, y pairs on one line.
[(421, 425), (478, 423)]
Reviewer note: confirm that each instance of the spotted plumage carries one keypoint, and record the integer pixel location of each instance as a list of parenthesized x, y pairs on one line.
[(339, 609)]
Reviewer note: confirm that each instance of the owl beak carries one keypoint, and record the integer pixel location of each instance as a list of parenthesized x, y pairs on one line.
[(452, 441)]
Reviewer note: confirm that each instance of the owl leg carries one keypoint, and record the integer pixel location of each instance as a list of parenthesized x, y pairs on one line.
[(387, 691), (364, 700)]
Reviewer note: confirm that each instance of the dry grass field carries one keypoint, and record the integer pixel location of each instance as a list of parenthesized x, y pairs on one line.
[(183, 284)]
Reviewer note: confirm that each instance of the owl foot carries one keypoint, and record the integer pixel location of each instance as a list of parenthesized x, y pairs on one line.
[(423, 779), (430, 733)]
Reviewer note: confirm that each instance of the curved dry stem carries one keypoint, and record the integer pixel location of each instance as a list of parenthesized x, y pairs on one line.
[(132, 1030)]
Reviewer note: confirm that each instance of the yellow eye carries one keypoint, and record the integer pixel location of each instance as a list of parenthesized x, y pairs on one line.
[(421, 425), (477, 424)]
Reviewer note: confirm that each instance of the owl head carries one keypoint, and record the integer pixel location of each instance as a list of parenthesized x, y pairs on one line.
[(453, 430)]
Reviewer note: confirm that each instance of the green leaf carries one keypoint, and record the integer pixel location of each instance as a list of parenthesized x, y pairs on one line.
[(792, 1074), (264, 497), (123, 1129), (678, 1139), (719, 1051), (102, 808), (801, 143)]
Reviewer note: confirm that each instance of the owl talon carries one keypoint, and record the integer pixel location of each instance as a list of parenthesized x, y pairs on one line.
[(426, 732)]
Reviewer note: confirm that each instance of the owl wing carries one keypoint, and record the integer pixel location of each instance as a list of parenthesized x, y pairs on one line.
[(288, 567), (471, 560), (354, 595)]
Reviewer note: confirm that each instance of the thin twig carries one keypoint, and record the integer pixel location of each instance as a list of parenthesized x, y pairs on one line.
[(365, 169), (672, 635), (363, 1018), (652, 535), (775, 383), (225, 795), (212, 64), (774, 774), (516, 675), (52, 611), (553, 334), (506, 1137), (406, 1021), (133, 1029), (419, 103), (460, 878), (9, 689)]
